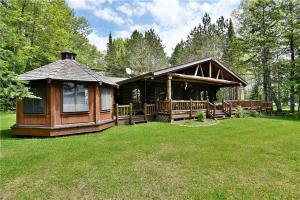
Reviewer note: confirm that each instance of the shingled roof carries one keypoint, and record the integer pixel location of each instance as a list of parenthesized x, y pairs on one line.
[(67, 69)]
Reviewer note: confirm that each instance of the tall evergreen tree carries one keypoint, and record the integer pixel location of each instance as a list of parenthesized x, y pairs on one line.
[(156, 57), (258, 28)]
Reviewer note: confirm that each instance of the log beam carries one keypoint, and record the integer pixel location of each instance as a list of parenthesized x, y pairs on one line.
[(218, 74), (202, 74), (209, 69), (169, 87), (204, 79), (196, 71)]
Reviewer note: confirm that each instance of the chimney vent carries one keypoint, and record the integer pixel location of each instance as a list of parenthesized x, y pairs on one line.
[(68, 55)]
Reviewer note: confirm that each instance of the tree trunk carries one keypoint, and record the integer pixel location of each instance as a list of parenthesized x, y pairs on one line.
[(292, 75)]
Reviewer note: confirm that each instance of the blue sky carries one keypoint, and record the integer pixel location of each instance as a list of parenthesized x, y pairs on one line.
[(171, 19)]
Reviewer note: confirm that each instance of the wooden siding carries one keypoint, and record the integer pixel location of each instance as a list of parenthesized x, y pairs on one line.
[(55, 117)]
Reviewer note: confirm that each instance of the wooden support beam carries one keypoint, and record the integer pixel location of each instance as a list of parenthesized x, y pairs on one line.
[(196, 71), (222, 75), (202, 74), (209, 69), (117, 114), (204, 79), (218, 74), (169, 88)]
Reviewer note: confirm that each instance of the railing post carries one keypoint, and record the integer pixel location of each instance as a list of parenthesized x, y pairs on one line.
[(230, 109), (214, 110), (170, 109), (117, 114), (191, 108), (145, 111), (130, 113)]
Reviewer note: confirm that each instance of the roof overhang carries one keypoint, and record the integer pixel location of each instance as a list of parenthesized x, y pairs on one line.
[(174, 69)]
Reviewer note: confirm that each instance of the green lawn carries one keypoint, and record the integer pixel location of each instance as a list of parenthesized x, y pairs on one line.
[(252, 158)]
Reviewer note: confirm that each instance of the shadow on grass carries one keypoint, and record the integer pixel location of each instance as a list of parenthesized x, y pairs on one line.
[(6, 134), (284, 115)]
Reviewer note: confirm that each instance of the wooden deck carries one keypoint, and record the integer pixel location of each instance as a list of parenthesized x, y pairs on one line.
[(181, 109)]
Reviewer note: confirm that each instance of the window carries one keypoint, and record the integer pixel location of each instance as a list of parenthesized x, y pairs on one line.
[(75, 97), (35, 106), (105, 98)]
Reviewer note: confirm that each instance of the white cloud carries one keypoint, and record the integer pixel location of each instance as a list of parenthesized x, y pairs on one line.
[(126, 9), (109, 15), (86, 4), (98, 41), (172, 20), (122, 34)]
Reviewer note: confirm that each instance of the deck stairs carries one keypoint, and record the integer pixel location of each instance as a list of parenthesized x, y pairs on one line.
[(221, 115), (138, 119)]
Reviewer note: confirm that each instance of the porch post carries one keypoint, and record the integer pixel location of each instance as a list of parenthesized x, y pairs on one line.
[(169, 88), (237, 93), (242, 93)]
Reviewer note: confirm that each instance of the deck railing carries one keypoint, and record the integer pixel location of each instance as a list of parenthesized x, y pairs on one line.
[(181, 105), (211, 109), (227, 108), (251, 104), (163, 106), (187, 108)]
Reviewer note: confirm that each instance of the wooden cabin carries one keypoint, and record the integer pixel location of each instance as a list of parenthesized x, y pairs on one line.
[(72, 99), (76, 99), (179, 92)]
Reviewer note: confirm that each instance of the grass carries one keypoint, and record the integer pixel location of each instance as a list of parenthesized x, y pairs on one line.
[(251, 158)]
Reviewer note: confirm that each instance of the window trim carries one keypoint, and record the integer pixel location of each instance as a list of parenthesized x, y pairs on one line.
[(105, 110), (44, 87), (62, 99)]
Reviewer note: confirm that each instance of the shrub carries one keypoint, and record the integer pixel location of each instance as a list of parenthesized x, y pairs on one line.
[(240, 113), (201, 116), (253, 113)]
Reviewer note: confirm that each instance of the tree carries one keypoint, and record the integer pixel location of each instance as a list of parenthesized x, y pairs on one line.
[(156, 57), (25, 23), (116, 57), (290, 23), (11, 88), (206, 39), (258, 29)]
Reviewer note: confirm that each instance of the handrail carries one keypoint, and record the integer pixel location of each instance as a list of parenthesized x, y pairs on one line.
[(211, 108), (227, 108)]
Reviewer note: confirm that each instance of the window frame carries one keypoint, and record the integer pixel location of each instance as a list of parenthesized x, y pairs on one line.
[(44, 90), (75, 86), (110, 99)]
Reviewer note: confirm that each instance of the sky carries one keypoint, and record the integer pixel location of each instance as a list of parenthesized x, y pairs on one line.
[(172, 20)]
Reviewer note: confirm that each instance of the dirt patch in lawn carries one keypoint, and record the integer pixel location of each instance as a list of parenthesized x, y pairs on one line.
[(195, 123)]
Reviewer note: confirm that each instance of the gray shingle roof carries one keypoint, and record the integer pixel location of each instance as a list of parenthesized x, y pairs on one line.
[(66, 69)]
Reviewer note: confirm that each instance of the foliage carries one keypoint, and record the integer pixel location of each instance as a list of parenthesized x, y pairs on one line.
[(201, 116), (11, 88), (33, 33), (253, 113), (160, 160), (206, 39), (240, 112), (141, 52)]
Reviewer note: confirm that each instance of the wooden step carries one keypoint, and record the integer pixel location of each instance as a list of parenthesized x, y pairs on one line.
[(139, 121)]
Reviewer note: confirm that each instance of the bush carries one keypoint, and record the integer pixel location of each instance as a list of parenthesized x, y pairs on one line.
[(201, 116), (253, 113), (240, 113)]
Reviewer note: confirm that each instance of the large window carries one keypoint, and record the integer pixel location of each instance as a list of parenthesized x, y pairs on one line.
[(35, 106), (75, 97), (105, 98)]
